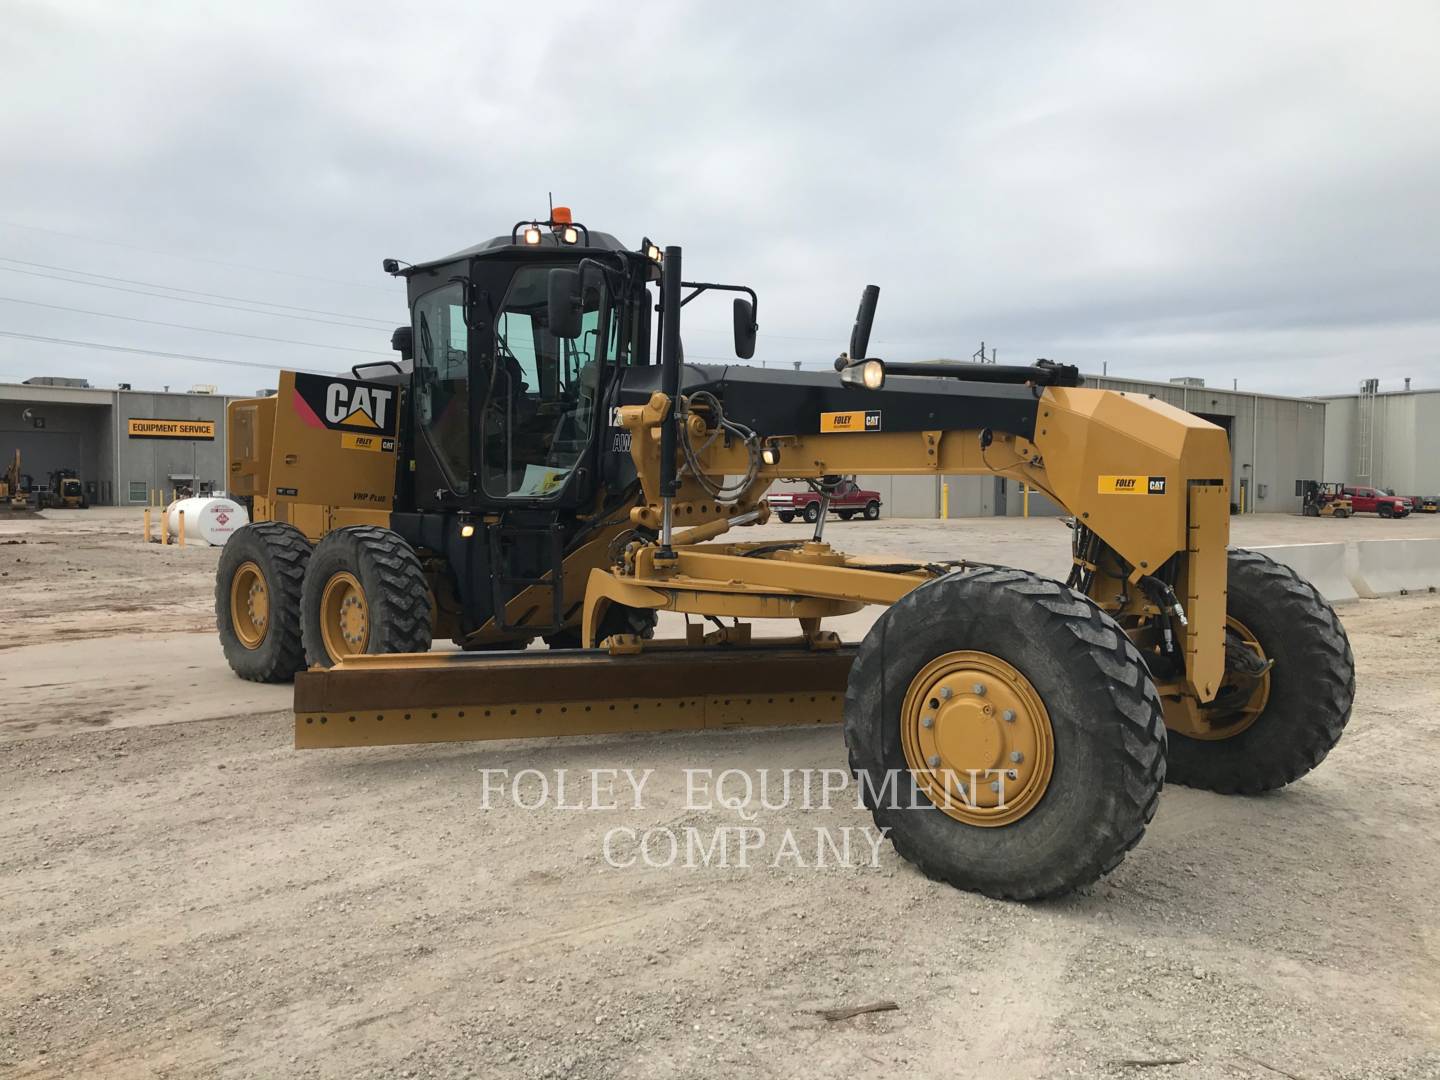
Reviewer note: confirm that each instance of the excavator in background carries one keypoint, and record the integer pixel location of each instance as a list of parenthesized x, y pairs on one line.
[(541, 465), (12, 486)]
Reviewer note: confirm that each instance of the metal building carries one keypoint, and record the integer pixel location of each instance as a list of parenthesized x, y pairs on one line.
[(122, 443), (1388, 439), (1274, 441)]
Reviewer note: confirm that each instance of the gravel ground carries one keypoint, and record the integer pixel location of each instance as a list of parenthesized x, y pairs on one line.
[(195, 898)]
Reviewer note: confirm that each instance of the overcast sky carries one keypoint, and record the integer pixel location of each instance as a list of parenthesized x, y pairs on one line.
[(1240, 191)]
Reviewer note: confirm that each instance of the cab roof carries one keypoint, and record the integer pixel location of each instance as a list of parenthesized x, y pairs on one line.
[(601, 241)]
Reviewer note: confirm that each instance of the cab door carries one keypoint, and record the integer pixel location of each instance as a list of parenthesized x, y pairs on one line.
[(539, 400)]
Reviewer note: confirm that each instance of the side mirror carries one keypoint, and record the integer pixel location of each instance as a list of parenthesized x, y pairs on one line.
[(864, 319), (745, 328), (564, 303)]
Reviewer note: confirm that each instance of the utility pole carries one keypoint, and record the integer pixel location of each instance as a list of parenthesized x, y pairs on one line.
[(979, 355)]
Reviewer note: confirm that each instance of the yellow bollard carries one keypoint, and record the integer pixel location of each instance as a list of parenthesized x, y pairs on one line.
[(147, 524), (1242, 498), (182, 528), (164, 528), (1025, 498), (944, 500)]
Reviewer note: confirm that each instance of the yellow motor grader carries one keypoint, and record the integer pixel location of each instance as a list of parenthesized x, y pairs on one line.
[(542, 465)]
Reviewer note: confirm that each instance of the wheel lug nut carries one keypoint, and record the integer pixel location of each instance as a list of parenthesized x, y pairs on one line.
[(945, 693), (1008, 716), (928, 721), (995, 786), (933, 761), (1017, 757), (979, 689)]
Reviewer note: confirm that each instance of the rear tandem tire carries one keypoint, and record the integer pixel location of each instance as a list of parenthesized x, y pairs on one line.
[(1105, 741), (1312, 685), (271, 557), (375, 575)]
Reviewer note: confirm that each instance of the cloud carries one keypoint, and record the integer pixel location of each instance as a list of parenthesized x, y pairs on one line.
[(1225, 190)]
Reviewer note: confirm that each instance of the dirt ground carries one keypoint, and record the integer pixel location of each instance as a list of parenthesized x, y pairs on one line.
[(184, 895)]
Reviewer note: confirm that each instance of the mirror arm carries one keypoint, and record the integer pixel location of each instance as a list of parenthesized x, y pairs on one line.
[(702, 286)]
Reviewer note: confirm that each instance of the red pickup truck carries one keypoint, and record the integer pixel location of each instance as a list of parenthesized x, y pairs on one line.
[(848, 500), (1369, 500)]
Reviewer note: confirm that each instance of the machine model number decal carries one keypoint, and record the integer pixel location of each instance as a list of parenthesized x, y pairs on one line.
[(345, 404), (1132, 485), (351, 441), (290, 492), (850, 421)]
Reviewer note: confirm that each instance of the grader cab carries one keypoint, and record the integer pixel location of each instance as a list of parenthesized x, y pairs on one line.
[(543, 466)]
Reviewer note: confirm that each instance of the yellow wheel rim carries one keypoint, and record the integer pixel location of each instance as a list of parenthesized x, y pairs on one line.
[(344, 616), (249, 605), (1228, 722), (977, 738)]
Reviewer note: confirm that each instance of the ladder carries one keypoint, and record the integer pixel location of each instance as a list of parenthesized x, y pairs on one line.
[(510, 544)]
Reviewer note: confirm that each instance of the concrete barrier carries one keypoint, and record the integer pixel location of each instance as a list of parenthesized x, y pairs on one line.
[(1326, 566), (1354, 569), (1389, 567)]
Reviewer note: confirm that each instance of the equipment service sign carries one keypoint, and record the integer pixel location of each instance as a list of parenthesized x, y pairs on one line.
[(172, 429)]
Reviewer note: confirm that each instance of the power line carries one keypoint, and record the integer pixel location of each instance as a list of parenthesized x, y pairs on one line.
[(188, 292), (188, 300), (194, 258), (182, 326), (152, 352)]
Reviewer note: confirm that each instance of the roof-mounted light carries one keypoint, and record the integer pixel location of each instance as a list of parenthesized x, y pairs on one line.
[(532, 234), (652, 250)]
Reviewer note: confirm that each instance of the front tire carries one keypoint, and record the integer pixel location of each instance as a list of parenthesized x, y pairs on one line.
[(258, 583), (872, 510), (365, 592), (1005, 663), (1385, 510), (1307, 695)]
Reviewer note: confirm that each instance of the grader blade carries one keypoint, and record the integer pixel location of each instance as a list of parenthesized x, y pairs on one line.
[(428, 697)]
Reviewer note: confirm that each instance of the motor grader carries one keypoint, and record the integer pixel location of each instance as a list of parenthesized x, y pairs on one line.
[(542, 465)]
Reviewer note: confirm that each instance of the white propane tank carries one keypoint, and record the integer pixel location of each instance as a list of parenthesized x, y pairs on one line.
[(209, 519)]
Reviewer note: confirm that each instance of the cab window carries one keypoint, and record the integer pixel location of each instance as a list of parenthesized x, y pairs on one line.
[(442, 381)]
